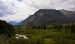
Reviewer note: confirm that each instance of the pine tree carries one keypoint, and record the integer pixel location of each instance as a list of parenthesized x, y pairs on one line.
[(6, 29)]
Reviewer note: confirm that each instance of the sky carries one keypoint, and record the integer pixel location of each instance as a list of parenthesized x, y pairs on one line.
[(18, 10)]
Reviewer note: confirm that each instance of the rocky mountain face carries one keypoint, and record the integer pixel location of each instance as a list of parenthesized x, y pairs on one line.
[(50, 16), (70, 15)]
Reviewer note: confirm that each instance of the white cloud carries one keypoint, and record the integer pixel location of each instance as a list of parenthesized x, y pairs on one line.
[(55, 4), (20, 9), (4, 9), (23, 8)]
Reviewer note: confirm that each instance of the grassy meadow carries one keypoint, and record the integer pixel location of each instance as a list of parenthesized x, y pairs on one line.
[(57, 34)]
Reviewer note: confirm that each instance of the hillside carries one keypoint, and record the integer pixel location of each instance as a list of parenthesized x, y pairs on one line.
[(70, 15), (45, 17)]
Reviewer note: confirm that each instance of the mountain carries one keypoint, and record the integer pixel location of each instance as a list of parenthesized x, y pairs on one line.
[(49, 17), (14, 23), (70, 15), (45, 17)]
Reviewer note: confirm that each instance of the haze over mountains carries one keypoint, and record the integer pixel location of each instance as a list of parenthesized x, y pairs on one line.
[(50, 16)]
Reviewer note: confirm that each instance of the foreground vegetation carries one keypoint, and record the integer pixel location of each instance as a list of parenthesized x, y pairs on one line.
[(52, 34)]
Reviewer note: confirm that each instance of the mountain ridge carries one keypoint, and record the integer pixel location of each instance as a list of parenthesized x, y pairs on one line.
[(45, 17), (49, 17)]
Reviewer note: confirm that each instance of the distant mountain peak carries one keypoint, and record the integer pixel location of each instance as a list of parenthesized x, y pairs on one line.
[(45, 17), (49, 17), (14, 22)]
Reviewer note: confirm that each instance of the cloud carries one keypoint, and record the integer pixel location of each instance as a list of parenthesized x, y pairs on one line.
[(52, 4), (12, 10), (20, 10), (4, 9)]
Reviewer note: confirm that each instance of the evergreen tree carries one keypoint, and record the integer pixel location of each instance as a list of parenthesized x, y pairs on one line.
[(6, 28)]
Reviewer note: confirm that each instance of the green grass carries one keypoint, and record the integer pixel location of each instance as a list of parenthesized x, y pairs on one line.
[(50, 36), (42, 36)]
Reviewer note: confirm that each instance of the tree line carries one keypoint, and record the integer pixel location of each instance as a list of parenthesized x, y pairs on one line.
[(6, 29), (66, 27)]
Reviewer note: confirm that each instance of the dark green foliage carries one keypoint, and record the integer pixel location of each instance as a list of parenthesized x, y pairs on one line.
[(63, 35), (6, 28), (73, 28), (69, 27), (58, 34)]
